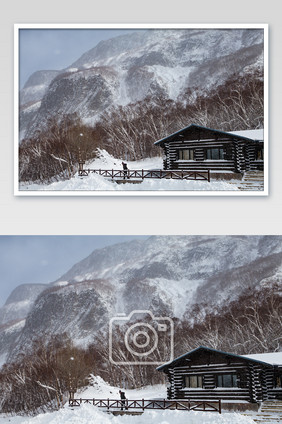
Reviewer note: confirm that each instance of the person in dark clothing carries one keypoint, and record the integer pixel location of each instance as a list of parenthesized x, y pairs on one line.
[(125, 170), (123, 399)]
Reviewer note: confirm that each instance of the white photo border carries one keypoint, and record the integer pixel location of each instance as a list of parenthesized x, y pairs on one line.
[(154, 193)]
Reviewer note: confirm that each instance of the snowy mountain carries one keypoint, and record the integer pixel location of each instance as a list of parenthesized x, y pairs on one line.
[(126, 69), (31, 95), (167, 275), (20, 302), (13, 314)]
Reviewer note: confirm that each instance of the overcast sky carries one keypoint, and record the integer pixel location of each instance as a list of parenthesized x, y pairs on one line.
[(43, 259), (56, 49)]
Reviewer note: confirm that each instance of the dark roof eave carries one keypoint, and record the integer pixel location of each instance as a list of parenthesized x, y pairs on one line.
[(168, 364), (162, 140)]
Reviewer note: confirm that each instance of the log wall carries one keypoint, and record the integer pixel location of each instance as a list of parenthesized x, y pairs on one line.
[(240, 155), (255, 382), (209, 391)]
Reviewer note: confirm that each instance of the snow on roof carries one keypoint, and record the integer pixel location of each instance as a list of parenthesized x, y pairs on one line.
[(274, 358), (252, 134)]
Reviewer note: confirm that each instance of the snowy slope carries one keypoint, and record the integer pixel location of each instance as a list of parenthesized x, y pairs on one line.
[(168, 47), (194, 256), (98, 388)]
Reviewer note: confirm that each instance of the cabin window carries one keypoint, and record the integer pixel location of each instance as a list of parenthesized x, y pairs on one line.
[(226, 380), (186, 154), (215, 153), (259, 154), (278, 381), (193, 381)]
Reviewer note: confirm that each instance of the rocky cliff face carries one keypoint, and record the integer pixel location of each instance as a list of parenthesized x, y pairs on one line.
[(129, 68), (13, 314), (36, 86), (20, 302), (167, 275)]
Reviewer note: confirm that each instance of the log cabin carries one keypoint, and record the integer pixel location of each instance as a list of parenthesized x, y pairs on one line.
[(200, 148), (209, 374)]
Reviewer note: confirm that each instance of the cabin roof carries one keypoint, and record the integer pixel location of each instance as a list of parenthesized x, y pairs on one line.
[(268, 359), (256, 135)]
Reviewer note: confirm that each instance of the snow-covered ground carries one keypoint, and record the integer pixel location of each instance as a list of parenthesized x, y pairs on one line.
[(88, 414), (96, 183)]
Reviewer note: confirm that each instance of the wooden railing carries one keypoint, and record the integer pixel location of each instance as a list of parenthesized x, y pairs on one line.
[(142, 174), (143, 404)]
